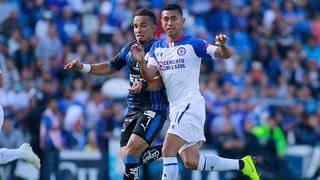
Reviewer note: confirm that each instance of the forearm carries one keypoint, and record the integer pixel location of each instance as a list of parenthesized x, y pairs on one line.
[(147, 72), (155, 85), (225, 52), (100, 69)]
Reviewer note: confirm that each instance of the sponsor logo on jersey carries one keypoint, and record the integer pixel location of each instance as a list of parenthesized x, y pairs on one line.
[(172, 64)]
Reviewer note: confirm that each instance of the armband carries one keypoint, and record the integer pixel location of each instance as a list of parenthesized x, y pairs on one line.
[(86, 68)]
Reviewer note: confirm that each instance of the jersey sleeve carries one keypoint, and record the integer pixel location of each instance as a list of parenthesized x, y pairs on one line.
[(204, 49), (119, 60), (151, 58)]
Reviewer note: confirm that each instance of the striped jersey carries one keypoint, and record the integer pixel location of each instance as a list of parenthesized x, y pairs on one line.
[(179, 65), (145, 100)]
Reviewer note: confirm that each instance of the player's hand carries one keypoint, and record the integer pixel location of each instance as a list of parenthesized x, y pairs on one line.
[(136, 87), (138, 52), (221, 40), (74, 65)]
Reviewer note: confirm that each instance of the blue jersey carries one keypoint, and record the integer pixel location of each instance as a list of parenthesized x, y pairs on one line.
[(145, 100)]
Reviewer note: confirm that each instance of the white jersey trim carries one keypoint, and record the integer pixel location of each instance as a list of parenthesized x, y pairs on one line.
[(211, 49), (151, 61)]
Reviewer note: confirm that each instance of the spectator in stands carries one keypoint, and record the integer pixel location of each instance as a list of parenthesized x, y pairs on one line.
[(67, 24), (306, 132), (11, 24), (273, 143), (24, 56), (315, 30), (230, 146), (92, 145), (51, 140), (104, 132), (49, 45)]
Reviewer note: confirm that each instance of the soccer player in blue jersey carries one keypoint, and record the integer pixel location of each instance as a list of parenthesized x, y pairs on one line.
[(25, 151), (178, 60), (147, 109)]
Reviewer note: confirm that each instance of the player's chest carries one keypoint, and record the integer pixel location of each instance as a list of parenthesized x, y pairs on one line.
[(173, 52), (173, 59), (132, 64)]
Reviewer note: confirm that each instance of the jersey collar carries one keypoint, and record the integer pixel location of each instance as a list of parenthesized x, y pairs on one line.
[(149, 44), (175, 41)]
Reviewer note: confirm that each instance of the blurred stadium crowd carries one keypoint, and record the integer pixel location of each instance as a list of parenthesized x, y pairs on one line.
[(262, 99)]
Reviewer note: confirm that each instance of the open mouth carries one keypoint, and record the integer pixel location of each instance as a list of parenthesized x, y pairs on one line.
[(170, 29), (140, 36)]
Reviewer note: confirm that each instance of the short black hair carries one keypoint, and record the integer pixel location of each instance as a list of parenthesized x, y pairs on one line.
[(175, 7), (146, 12)]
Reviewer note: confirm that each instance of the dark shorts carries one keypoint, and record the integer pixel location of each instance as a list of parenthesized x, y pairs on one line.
[(146, 124)]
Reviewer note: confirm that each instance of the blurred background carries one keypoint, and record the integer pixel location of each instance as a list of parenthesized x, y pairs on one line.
[(264, 101)]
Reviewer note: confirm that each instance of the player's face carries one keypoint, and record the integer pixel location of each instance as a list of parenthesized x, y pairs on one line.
[(143, 29), (172, 23)]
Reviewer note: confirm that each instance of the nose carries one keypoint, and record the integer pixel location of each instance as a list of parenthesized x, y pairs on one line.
[(138, 29)]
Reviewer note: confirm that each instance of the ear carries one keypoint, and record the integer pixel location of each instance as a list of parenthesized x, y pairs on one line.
[(183, 20), (154, 28)]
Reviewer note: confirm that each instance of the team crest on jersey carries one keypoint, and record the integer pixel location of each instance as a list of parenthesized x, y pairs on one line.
[(181, 51)]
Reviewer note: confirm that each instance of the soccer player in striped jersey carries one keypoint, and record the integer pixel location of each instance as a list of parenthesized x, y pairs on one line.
[(178, 60), (147, 102), (24, 152)]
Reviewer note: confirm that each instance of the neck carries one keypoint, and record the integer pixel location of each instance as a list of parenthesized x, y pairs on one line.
[(146, 42), (175, 37)]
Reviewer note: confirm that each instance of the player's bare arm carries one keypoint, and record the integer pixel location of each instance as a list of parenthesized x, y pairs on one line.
[(155, 85), (148, 72), (224, 51), (96, 69)]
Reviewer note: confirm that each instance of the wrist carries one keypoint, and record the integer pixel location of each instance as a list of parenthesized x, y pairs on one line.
[(86, 68), (223, 46), (141, 62), (144, 85)]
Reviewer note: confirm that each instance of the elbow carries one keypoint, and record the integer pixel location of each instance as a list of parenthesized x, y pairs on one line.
[(225, 52), (147, 77), (227, 56), (156, 84)]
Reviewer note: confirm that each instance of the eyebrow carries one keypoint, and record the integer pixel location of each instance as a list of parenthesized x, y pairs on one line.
[(169, 16), (137, 23)]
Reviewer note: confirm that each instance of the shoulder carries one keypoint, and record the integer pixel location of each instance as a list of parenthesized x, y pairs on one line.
[(128, 46), (159, 43), (196, 42)]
